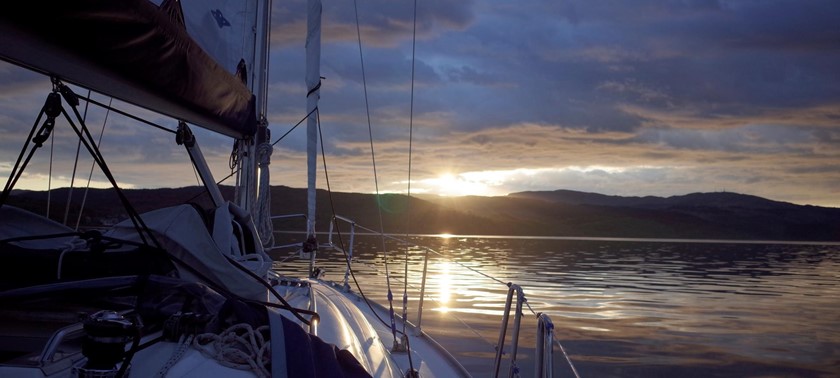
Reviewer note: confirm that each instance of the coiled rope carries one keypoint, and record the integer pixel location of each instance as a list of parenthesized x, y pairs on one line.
[(240, 346)]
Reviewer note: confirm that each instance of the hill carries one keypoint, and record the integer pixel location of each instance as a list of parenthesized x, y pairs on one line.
[(547, 213)]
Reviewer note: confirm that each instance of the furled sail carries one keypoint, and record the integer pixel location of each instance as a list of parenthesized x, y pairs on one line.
[(176, 58)]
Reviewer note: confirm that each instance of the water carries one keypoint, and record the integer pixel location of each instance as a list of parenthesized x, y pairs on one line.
[(622, 308)]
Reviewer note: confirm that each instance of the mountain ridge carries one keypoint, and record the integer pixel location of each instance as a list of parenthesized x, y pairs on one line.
[(587, 198), (717, 215)]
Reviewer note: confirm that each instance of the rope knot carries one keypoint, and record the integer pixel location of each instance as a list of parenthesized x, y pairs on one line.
[(264, 152)]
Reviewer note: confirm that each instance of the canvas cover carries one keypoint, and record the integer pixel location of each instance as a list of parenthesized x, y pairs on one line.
[(139, 52), (182, 232)]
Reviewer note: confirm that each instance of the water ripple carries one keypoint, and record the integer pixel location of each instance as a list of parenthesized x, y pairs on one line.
[(631, 308)]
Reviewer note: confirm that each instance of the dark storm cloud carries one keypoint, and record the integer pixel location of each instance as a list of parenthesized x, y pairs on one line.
[(390, 17), (715, 57), (381, 23), (384, 68)]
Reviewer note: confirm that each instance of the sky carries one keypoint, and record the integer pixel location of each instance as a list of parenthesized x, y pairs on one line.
[(627, 98)]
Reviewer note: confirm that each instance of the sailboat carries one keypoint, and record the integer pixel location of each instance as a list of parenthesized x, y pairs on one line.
[(185, 290)]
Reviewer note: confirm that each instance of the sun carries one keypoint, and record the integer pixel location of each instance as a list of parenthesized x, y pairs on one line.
[(473, 183), (452, 185)]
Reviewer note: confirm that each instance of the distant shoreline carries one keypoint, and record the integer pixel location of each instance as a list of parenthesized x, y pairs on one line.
[(555, 215), (594, 238)]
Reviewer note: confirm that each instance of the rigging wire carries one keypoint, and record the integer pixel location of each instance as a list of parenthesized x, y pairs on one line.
[(338, 230), (51, 111), (375, 177), (49, 174), (436, 253), (84, 134), (123, 113), (293, 127), (410, 140), (234, 161), (452, 314), (86, 138), (235, 169), (53, 108), (384, 236), (195, 173), (75, 167), (478, 272), (93, 164), (566, 355)]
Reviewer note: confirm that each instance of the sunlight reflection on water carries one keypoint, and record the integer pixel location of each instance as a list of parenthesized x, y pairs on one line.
[(443, 281), (626, 308)]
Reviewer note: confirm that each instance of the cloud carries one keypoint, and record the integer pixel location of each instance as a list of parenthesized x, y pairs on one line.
[(823, 116), (382, 24), (766, 139), (637, 90), (642, 97)]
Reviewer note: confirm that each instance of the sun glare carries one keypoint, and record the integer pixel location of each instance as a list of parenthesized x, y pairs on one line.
[(456, 185), (43, 182)]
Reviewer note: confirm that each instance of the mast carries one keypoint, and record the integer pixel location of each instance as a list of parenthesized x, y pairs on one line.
[(249, 180), (262, 208), (262, 42), (313, 85)]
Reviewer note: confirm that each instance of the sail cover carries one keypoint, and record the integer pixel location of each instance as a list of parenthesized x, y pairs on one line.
[(143, 53)]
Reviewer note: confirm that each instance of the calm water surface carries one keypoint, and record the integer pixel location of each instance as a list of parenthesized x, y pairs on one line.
[(621, 308)]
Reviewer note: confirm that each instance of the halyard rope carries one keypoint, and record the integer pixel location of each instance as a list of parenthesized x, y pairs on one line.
[(263, 218)]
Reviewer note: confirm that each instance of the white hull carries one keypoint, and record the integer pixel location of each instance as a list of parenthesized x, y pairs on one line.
[(348, 322)]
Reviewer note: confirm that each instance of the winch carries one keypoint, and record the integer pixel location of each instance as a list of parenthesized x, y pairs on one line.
[(107, 334)]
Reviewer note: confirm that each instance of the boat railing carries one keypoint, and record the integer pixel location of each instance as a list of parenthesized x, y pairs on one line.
[(544, 356), (517, 320), (545, 341), (349, 249), (283, 217)]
